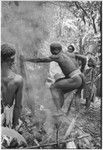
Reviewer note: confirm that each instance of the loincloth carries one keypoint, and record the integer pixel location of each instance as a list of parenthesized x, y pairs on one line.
[(76, 73), (73, 75)]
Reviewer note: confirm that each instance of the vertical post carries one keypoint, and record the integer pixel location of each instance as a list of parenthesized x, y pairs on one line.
[(60, 21)]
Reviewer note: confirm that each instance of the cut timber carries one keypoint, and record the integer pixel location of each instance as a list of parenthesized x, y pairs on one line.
[(50, 144), (71, 101), (71, 126)]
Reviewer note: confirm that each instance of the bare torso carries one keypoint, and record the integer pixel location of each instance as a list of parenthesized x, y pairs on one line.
[(67, 63)]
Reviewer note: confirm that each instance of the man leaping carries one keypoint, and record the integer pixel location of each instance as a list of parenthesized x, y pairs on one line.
[(74, 78)]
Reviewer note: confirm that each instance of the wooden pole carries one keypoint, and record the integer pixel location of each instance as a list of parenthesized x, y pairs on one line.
[(51, 144)]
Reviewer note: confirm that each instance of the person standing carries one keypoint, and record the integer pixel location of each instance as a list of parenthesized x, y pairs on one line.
[(11, 88)]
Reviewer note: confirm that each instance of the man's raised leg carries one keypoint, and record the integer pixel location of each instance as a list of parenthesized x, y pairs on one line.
[(63, 86), (57, 95), (58, 98)]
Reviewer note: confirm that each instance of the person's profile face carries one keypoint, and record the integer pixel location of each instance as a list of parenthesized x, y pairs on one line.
[(55, 51)]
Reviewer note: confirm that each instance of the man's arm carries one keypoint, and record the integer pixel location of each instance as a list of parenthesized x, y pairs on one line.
[(39, 60), (82, 59), (43, 60), (18, 101)]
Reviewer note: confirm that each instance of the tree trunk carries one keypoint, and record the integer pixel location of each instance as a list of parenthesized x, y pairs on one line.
[(94, 26)]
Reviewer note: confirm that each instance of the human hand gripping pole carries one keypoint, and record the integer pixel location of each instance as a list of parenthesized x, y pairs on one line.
[(22, 58)]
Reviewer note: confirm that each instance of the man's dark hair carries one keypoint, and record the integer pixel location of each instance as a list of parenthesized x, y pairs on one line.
[(55, 46), (6, 52)]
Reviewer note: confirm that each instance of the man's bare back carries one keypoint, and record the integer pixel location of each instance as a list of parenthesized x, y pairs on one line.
[(11, 86), (11, 89)]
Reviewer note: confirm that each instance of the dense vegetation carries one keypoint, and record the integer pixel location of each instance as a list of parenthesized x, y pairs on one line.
[(31, 27)]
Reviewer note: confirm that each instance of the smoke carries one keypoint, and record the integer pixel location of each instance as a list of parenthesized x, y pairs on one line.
[(24, 26), (31, 26)]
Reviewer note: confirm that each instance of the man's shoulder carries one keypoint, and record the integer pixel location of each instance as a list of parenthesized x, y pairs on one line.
[(54, 57), (18, 79), (68, 54)]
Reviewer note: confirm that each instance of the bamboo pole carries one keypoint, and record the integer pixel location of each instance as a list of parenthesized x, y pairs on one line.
[(51, 144), (25, 74)]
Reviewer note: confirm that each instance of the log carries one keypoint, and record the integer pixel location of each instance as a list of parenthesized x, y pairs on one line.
[(71, 126), (51, 144), (71, 101)]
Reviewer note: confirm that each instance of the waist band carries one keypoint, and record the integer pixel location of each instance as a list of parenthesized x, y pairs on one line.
[(74, 73)]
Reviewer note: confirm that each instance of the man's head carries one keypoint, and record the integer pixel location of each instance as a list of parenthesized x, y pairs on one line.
[(91, 63), (71, 49), (7, 54), (55, 48)]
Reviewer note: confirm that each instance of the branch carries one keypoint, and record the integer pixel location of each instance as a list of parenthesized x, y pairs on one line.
[(83, 18), (79, 6), (70, 128)]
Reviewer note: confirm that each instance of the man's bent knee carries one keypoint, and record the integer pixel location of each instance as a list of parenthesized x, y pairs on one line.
[(52, 87)]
